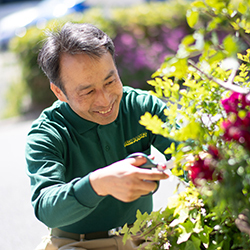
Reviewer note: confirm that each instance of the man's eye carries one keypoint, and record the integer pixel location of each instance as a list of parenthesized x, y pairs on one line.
[(88, 93), (110, 82)]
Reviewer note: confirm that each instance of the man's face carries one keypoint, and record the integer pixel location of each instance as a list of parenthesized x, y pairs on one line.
[(92, 86)]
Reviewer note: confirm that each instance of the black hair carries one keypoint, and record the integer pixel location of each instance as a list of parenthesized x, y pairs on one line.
[(73, 38)]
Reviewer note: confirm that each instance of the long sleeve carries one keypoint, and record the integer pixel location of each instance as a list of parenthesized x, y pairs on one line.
[(51, 191)]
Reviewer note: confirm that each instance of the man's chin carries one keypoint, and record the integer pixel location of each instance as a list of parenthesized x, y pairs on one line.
[(106, 121)]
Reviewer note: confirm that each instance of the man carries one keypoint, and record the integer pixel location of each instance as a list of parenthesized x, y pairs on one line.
[(82, 184)]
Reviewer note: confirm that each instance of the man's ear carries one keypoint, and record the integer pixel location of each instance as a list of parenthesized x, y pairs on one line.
[(58, 92)]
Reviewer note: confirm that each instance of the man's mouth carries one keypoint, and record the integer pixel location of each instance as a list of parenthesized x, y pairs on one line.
[(107, 111)]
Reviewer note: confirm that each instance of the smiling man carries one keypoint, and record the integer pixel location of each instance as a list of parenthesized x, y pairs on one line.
[(83, 187), (95, 89)]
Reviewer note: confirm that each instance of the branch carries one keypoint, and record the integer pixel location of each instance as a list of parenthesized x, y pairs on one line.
[(142, 234), (229, 85), (245, 37)]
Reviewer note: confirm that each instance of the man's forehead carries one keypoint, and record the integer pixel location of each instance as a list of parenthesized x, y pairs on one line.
[(89, 85), (86, 70)]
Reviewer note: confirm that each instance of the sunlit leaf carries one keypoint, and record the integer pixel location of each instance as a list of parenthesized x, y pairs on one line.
[(230, 45), (192, 17), (186, 231), (198, 4), (242, 8)]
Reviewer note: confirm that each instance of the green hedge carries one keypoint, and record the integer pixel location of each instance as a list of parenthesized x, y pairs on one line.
[(143, 36)]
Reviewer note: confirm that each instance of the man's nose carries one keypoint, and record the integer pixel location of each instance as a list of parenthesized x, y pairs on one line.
[(103, 98)]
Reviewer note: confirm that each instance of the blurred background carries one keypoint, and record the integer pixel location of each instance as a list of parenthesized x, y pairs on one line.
[(144, 33)]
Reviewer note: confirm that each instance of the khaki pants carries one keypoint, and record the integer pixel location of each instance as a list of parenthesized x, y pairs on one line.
[(112, 243)]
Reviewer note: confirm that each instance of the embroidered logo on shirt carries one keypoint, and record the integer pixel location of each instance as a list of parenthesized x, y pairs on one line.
[(135, 139)]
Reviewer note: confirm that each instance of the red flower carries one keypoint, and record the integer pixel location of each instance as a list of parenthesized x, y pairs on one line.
[(205, 168), (212, 150)]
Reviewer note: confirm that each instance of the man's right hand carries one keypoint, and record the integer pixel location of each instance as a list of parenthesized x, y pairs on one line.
[(124, 180)]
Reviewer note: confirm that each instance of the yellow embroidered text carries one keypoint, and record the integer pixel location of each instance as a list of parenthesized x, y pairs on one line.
[(135, 139)]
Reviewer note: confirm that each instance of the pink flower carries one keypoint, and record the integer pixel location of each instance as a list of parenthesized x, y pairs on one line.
[(237, 127), (236, 102)]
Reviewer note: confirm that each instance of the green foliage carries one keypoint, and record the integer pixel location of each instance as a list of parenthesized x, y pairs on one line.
[(186, 223), (16, 103), (209, 65), (35, 82)]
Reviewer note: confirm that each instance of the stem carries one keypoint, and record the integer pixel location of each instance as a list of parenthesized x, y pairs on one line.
[(245, 37), (152, 229), (226, 85)]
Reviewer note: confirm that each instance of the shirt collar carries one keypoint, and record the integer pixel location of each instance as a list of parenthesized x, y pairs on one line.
[(80, 124)]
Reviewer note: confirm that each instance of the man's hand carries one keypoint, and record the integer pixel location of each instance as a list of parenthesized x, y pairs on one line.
[(242, 222), (124, 180)]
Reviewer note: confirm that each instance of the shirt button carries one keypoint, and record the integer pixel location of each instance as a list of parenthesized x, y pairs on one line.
[(107, 147)]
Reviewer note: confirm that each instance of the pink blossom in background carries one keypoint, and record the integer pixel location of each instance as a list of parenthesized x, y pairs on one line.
[(237, 126)]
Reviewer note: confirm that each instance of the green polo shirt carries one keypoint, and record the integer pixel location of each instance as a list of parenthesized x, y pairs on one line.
[(63, 149)]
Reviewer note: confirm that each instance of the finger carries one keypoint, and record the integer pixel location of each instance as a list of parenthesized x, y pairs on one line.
[(146, 187), (141, 188), (243, 217), (147, 174), (137, 161)]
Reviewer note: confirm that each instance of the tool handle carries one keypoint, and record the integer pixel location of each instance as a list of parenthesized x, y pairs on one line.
[(149, 165)]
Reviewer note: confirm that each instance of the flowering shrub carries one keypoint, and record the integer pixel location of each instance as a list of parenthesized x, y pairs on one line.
[(206, 89), (187, 223), (138, 55)]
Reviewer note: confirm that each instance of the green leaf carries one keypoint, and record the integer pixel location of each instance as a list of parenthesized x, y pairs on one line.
[(125, 229), (188, 225), (178, 67), (192, 17), (177, 171), (126, 234), (173, 202), (216, 5), (192, 131), (204, 235), (217, 57), (171, 149), (152, 123), (230, 45), (186, 232), (188, 40), (198, 4), (213, 24), (198, 225), (181, 219), (196, 242), (242, 8), (189, 246), (152, 82)]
